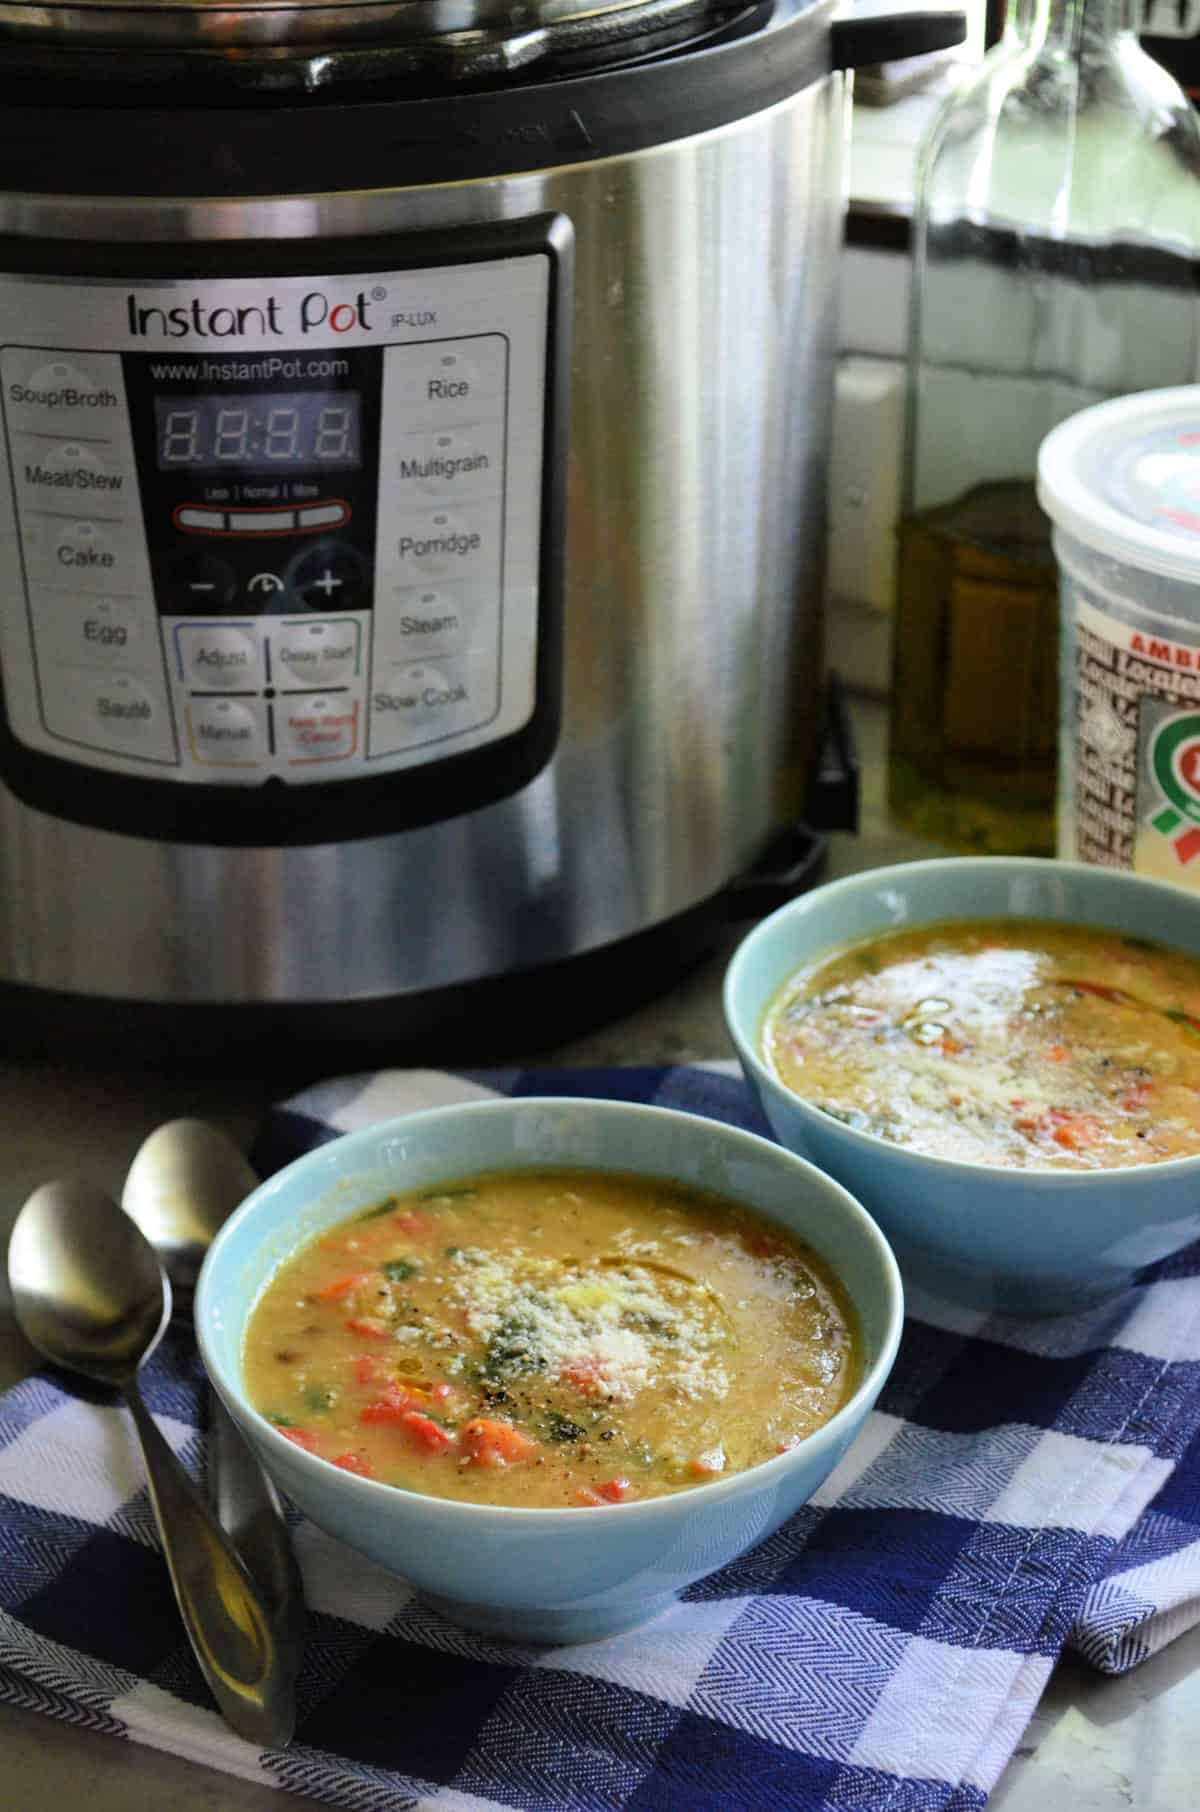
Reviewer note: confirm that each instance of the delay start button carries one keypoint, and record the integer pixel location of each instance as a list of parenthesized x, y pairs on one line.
[(316, 654), (320, 727)]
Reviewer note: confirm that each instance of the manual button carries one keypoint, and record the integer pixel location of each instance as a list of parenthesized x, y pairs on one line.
[(224, 732)]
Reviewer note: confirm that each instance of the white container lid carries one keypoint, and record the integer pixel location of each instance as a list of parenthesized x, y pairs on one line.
[(1124, 478)]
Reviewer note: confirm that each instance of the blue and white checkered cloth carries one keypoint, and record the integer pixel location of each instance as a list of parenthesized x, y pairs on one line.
[(1022, 1485)]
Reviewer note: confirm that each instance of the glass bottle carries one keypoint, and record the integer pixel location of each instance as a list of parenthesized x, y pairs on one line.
[(1056, 230)]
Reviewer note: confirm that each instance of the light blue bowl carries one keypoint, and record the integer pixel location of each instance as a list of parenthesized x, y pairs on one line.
[(1020, 1241), (546, 1575)]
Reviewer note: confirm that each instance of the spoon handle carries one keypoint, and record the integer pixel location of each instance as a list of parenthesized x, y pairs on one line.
[(228, 1623), (248, 1508)]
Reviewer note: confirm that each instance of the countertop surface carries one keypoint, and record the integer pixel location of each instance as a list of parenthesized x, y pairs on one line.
[(1095, 1744)]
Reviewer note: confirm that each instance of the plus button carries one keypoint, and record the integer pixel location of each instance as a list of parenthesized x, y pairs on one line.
[(327, 583)]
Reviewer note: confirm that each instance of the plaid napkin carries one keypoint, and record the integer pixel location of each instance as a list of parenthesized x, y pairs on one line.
[(1022, 1485)]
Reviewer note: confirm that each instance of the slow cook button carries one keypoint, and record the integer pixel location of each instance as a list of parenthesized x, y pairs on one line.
[(225, 733), (417, 703), (218, 658), (323, 727), (316, 654)]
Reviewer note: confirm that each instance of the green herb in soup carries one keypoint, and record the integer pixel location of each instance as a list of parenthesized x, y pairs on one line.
[(1008, 1041), (551, 1337)]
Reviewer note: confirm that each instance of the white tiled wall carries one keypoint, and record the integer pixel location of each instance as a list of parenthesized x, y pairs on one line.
[(865, 464)]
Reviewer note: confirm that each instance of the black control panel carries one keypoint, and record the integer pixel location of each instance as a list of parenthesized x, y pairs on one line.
[(258, 479)]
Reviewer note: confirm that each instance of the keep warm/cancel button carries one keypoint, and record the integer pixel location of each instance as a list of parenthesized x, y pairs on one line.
[(322, 726), (418, 703)]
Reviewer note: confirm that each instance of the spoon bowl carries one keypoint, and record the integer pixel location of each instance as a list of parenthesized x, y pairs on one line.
[(90, 1294), (88, 1291), (185, 1181)]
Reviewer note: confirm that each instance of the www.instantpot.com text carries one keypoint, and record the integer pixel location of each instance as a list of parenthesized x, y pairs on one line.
[(241, 371)]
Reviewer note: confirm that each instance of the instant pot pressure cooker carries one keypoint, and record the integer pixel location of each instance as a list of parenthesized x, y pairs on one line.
[(415, 419)]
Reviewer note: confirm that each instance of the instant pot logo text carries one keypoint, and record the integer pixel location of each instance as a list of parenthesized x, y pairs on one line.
[(227, 321)]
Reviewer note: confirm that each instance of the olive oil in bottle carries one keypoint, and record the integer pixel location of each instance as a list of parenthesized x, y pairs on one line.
[(1055, 234), (975, 679)]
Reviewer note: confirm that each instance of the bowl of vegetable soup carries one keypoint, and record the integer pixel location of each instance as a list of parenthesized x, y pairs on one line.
[(550, 1360), (999, 1057)]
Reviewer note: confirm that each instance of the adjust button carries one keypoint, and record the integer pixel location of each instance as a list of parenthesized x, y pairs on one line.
[(218, 656)]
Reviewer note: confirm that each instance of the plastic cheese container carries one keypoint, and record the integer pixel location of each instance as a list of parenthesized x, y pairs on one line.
[(1121, 484)]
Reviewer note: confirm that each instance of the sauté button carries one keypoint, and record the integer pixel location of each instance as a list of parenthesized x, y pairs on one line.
[(123, 710)]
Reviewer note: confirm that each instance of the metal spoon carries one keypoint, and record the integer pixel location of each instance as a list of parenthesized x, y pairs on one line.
[(89, 1292), (185, 1181)]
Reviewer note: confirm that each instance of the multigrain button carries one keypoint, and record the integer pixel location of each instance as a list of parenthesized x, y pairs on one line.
[(320, 727), (450, 463), (224, 732), (218, 657)]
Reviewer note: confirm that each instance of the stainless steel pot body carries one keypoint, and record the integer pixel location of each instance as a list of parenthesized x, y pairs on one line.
[(701, 384)]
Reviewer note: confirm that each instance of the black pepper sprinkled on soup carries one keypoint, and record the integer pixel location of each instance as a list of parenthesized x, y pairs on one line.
[(551, 1338)]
